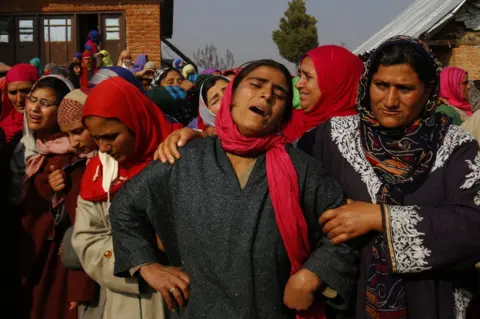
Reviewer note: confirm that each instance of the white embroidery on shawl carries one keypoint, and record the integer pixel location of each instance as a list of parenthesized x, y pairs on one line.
[(461, 299), (409, 251), (346, 135), (455, 137), (473, 177), (407, 241), (476, 199)]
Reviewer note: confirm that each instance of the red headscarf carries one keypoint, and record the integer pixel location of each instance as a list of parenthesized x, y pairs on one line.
[(84, 77), (116, 98), (451, 79), (10, 120), (201, 126), (282, 183), (338, 73)]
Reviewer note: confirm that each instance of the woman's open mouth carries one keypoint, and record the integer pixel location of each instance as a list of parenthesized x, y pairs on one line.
[(35, 119), (259, 111)]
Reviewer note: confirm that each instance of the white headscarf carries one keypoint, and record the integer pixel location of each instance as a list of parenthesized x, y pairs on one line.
[(28, 139), (208, 117), (25, 149)]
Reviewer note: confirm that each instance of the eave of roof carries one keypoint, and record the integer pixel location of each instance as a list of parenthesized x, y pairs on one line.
[(422, 17)]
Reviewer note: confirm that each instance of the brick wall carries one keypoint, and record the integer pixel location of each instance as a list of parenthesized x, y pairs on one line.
[(142, 18), (466, 57)]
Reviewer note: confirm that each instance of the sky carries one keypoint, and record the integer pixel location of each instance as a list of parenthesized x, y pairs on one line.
[(245, 26)]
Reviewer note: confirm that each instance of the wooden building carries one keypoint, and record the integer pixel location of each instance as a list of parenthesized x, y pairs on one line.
[(54, 30), (450, 27)]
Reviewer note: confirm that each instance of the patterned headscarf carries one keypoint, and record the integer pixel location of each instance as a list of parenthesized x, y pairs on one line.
[(158, 76), (106, 73), (71, 108), (402, 159)]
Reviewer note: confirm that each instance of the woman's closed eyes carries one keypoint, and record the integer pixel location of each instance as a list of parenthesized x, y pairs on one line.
[(42, 102)]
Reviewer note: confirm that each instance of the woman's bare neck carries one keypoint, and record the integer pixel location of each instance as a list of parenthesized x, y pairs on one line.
[(242, 165)]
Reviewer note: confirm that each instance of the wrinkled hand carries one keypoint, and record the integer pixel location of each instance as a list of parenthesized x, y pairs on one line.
[(187, 85), (300, 290), (351, 221), (57, 179), (73, 306), (171, 282), (167, 151)]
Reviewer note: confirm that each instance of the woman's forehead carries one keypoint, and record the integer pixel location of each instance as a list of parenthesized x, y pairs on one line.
[(268, 74), (102, 125), (18, 85)]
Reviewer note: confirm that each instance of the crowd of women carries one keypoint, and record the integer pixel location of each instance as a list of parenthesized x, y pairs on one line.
[(351, 190)]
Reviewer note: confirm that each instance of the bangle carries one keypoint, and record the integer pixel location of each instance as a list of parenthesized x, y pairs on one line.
[(383, 210)]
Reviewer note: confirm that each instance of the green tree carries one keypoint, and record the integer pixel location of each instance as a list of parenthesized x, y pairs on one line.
[(297, 32)]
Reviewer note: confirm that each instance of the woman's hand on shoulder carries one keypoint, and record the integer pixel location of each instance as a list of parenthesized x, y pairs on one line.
[(167, 151), (350, 221)]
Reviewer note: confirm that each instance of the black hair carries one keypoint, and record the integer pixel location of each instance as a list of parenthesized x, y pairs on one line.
[(228, 72), (74, 78), (398, 53), (61, 89), (165, 73), (210, 82), (73, 65), (249, 67)]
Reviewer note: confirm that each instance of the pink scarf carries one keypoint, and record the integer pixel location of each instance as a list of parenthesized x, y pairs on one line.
[(451, 79), (282, 183), (57, 146)]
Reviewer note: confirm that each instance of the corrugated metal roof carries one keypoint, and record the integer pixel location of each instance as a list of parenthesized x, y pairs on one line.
[(420, 17)]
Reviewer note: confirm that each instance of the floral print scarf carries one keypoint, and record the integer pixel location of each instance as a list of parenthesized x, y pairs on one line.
[(402, 159)]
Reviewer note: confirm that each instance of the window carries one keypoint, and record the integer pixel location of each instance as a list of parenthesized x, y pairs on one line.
[(25, 30), (57, 30), (4, 34), (112, 29)]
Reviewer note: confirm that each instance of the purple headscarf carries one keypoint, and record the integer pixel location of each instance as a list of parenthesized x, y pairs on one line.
[(142, 59), (209, 71)]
